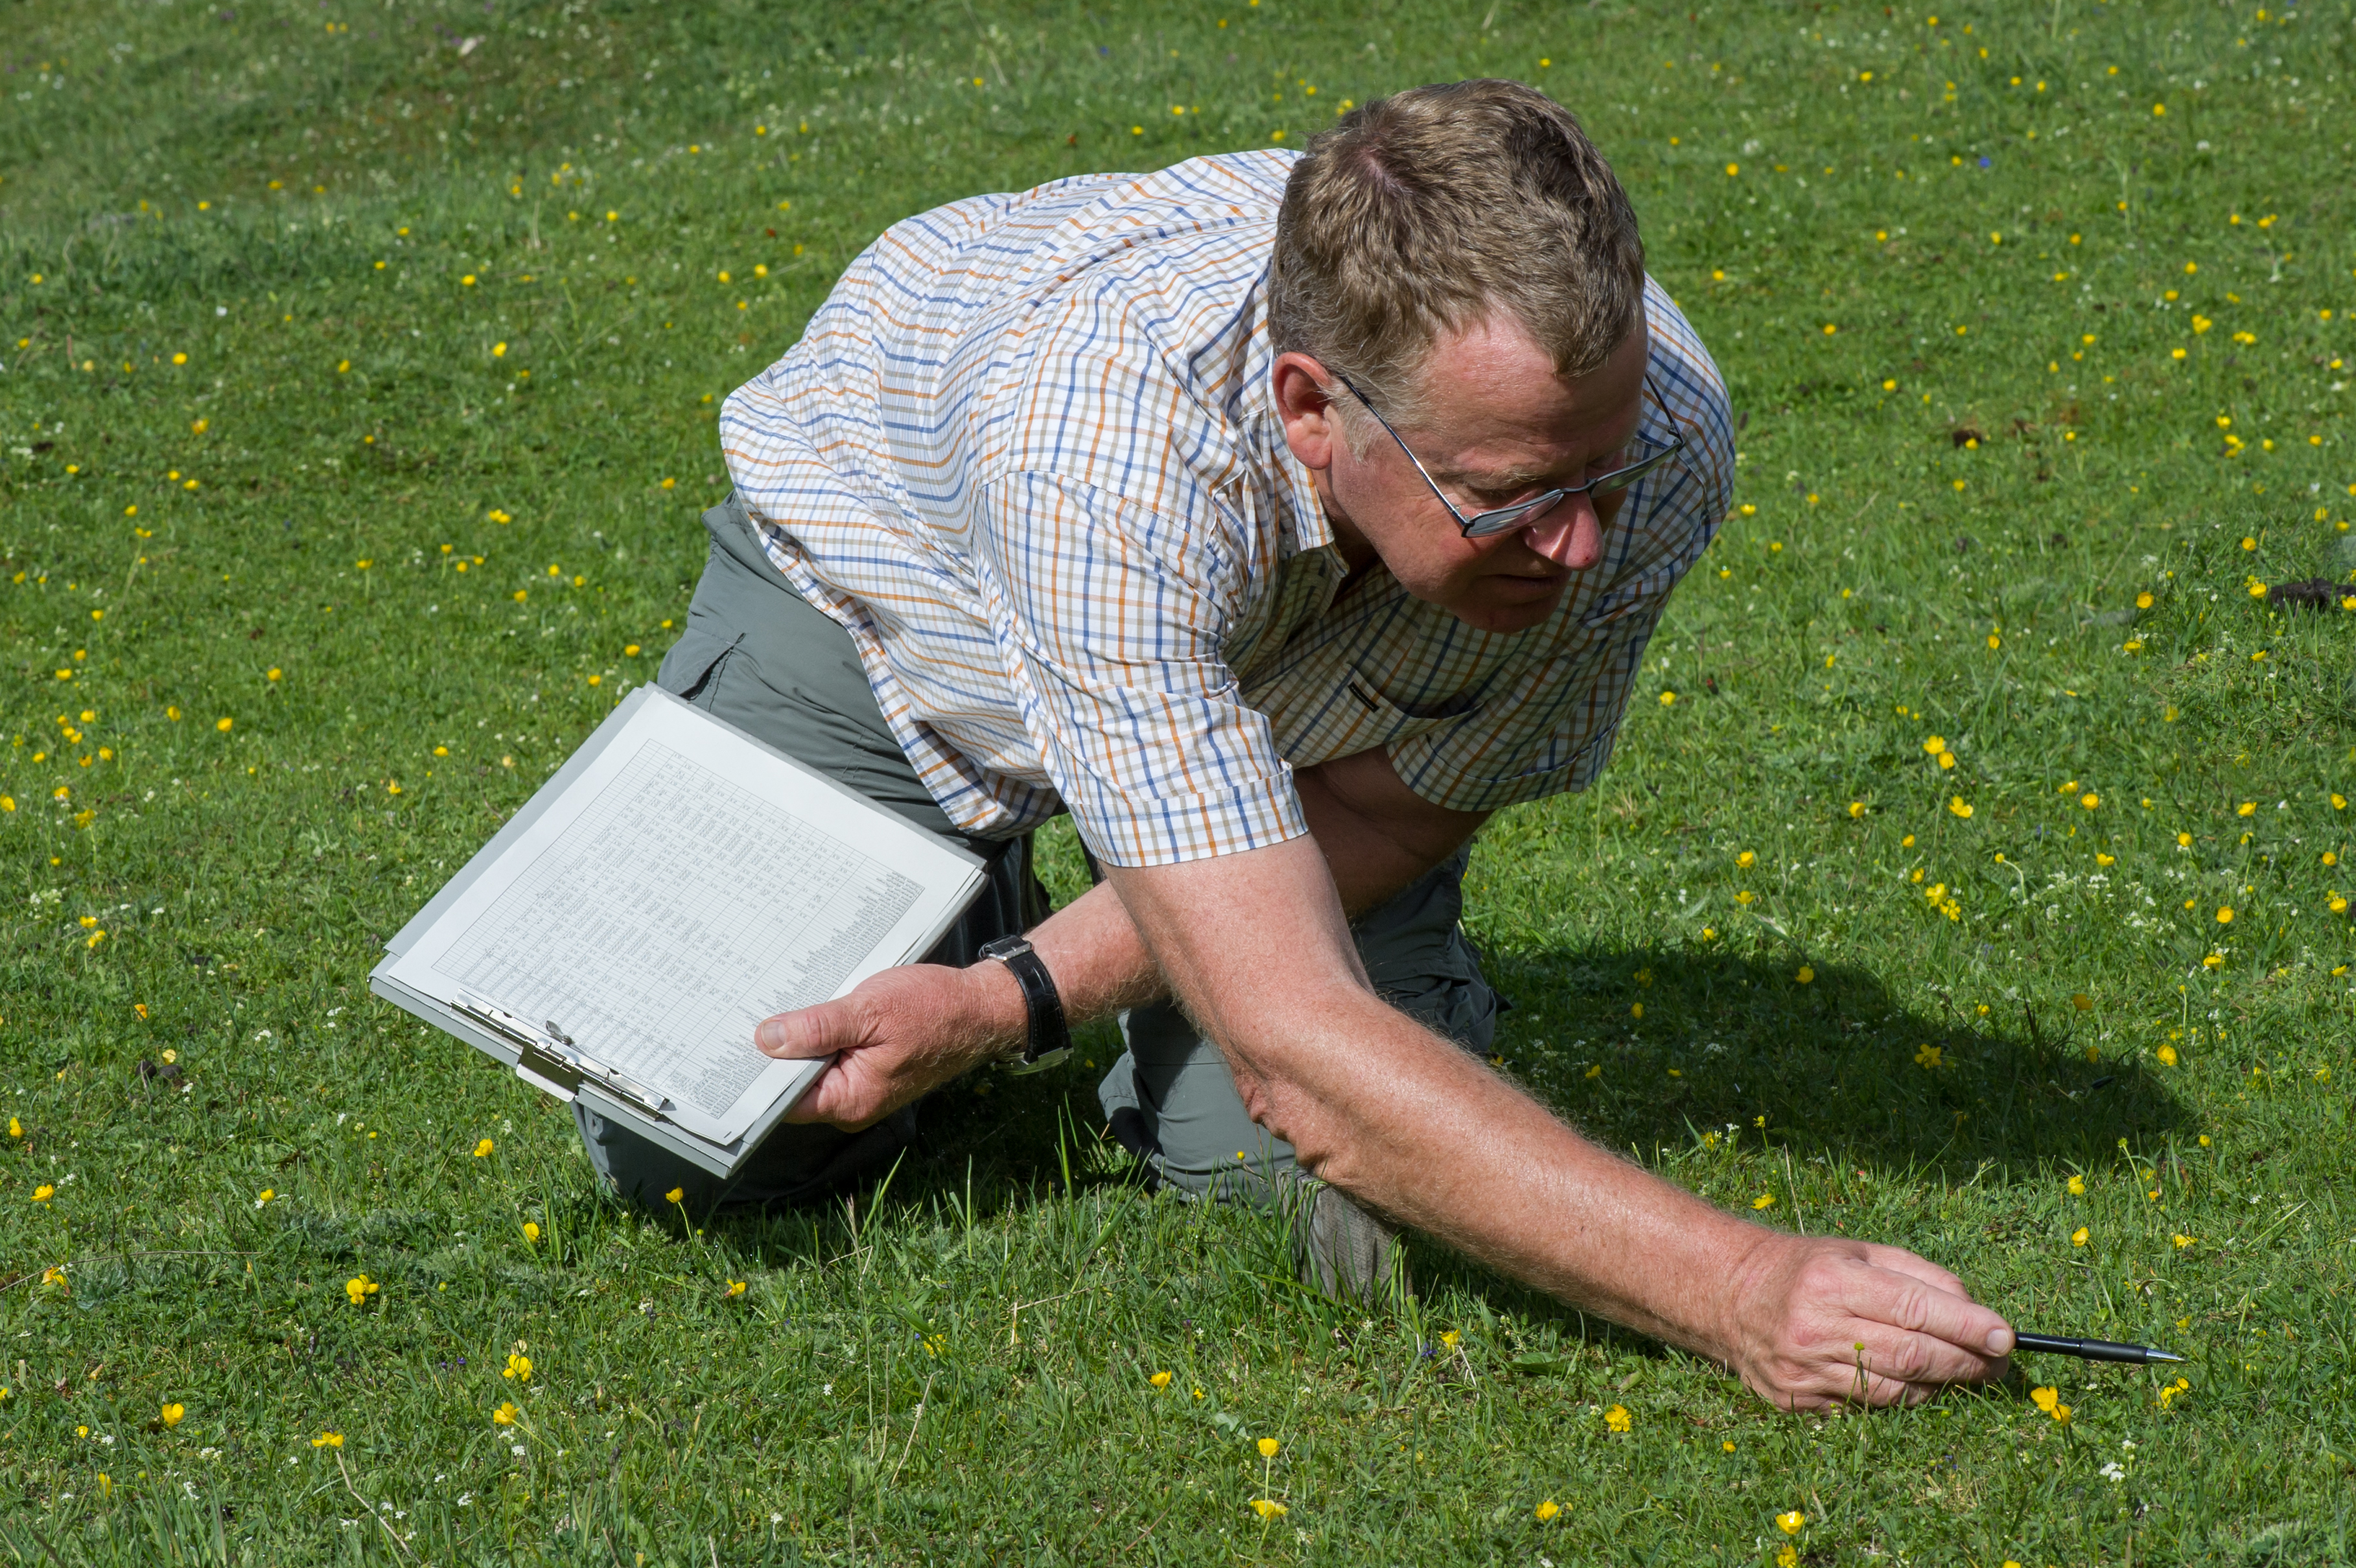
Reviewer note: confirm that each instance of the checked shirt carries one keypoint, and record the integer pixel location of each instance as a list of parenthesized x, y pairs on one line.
[(1026, 456)]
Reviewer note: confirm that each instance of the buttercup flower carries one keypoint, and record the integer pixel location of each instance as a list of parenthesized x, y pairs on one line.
[(1618, 1419)]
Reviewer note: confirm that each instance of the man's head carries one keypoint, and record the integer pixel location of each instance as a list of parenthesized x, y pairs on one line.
[(1465, 258)]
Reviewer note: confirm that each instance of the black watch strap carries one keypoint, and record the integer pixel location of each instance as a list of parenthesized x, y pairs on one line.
[(1050, 1037)]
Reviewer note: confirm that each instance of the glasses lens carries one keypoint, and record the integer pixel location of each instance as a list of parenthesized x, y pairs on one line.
[(1506, 519), (1621, 479)]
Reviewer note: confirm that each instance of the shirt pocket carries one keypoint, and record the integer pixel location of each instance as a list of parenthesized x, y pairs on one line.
[(1627, 597), (1320, 715)]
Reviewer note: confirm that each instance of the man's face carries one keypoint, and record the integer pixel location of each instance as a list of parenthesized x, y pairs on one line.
[(1501, 427)]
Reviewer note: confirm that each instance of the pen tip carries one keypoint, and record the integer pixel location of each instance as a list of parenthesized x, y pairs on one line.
[(2156, 1354)]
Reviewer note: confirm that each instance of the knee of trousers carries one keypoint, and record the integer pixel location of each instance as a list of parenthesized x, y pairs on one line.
[(794, 1162), (1174, 1104)]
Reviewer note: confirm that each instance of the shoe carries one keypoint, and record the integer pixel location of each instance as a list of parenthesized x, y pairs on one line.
[(1343, 1250)]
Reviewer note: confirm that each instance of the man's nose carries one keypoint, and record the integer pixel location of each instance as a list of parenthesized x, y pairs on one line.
[(1572, 535)]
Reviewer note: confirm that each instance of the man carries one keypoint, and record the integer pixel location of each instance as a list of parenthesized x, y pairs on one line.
[(1280, 519)]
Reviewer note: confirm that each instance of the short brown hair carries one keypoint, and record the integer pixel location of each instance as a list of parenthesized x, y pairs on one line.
[(1424, 212)]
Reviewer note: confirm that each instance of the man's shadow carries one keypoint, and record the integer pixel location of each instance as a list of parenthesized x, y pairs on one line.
[(1997, 1082)]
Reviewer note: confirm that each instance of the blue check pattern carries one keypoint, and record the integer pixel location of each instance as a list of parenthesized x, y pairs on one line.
[(1026, 456)]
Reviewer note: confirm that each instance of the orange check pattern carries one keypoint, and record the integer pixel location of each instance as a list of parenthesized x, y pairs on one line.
[(1025, 454)]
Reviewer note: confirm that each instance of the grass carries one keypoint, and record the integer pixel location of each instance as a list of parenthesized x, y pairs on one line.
[(378, 580)]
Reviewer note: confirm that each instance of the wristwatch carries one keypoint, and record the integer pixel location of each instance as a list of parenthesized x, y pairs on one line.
[(1049, 1040)]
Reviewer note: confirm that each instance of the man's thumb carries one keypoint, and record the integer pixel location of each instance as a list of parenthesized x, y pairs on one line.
[(818, 1031)]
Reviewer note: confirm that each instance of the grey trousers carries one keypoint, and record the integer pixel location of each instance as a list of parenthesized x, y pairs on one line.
[(756, 654)]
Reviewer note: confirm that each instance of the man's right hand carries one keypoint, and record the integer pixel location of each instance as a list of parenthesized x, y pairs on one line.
[(1810, 1322)]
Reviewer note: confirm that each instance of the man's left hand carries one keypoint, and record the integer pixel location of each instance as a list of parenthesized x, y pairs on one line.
[(897, 1037)]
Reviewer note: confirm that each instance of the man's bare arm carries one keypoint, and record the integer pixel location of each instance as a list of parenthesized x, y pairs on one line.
[(1258, 947)]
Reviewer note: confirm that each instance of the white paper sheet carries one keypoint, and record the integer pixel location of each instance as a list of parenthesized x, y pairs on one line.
[(686, 885)]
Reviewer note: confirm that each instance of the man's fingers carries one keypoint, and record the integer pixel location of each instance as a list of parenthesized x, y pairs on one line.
[(1905, 1299), (1897, 1260), (818, 1031)]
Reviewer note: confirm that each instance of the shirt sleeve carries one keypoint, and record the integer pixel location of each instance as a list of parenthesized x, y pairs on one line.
[(1115, 618)]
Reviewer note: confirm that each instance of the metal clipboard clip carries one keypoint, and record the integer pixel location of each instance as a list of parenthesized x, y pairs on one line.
[(546, 1054)]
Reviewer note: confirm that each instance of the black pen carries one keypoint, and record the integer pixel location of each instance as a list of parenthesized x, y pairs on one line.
[(2092, 1350)]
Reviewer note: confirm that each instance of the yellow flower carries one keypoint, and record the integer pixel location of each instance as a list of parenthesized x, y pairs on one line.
[(1792, 1523), (44, 1192), (483, 1150), (1929, 1056), (1160, 1380), (1764, 1200), (1267, 1507), (735, 1289), (2168, 1394), (263, 1197), (505, 1415), (2090, 800), (530, 1232), (1959, 807), (1547, 1509), (2167, 1055), (1267, 1447), (1856, 808), (172, 1414), (2078, 1236), (224, 724), (1788, 1557), (1618, 1419), (674, 1195), (1805, 975), (1933, 744), (358, 1288), (2183, 1241), (15, 1128), (328, 1439), (2225, 914), (518, 1367), (2077, 1186), (2246, 808), (1669, 699)]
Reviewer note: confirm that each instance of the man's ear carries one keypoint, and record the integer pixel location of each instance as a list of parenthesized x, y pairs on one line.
[(1311, 428)]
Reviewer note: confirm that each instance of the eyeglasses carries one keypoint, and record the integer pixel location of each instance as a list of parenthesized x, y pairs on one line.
[(1651, 455)]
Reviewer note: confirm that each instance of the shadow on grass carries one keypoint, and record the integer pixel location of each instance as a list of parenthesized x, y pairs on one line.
[(1996, 1085)]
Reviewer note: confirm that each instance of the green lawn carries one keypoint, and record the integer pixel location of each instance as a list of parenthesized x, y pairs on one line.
[(360, 364)]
